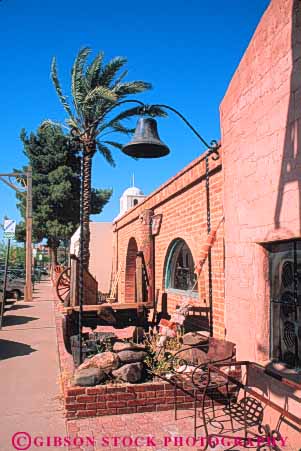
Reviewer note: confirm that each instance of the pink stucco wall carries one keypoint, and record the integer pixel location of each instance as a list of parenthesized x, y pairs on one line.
[(101, 253), (261, 130), (261, 138)]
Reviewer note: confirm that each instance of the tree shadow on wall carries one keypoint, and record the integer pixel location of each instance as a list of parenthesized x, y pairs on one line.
[(291, 158)]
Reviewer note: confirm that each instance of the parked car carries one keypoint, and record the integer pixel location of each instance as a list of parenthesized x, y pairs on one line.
[(14, 287), (13, 273)]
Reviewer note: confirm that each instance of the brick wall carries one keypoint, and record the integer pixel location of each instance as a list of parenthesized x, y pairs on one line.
[(182, 203), (101, 400)]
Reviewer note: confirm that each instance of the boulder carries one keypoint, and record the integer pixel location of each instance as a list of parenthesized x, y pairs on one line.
[(131, 356), (195, 338), (192, 355), (127, 346), (88, 377), (131, 373), (106, 361)]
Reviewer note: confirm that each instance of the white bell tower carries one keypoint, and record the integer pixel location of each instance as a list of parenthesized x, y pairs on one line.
[(131, 197)]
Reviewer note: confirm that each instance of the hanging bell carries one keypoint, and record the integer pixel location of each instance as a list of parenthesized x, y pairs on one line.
[(146, 142)]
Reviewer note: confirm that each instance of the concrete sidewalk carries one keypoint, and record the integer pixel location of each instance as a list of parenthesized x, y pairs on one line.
[(29, 370)]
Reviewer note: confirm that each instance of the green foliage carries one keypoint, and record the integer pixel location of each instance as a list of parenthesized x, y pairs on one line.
[(104, 346), (96, 91), (96, 88), (16, 254), (160, 360), (56, 186)]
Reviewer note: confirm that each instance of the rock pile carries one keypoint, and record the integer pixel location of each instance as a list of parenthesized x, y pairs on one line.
[(124, 363)]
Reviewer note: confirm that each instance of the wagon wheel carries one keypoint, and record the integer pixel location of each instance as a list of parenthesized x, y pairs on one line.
[(63, 285)]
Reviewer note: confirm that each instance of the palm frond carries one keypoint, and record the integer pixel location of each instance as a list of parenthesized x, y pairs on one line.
[(110, 70), (106, 153), (78, 82), (114, 144), (120, 78), (93, 70), (118, 146), (115, 127), (56, 82), (157, 111), (73, 125), (111, 124), (136, 111), (100, 92), (132, 87)]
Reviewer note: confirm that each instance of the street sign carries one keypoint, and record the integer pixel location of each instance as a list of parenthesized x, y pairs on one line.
[(9, 229)]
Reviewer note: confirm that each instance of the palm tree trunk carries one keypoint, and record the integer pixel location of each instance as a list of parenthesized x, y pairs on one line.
[(87, 172)]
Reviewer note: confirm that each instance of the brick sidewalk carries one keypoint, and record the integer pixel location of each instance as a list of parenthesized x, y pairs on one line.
[(160, 426)]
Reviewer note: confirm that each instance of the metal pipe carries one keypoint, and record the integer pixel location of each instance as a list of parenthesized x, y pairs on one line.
[(213, 146)]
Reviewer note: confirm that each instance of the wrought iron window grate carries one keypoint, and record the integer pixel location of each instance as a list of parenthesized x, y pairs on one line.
[(285, 293)]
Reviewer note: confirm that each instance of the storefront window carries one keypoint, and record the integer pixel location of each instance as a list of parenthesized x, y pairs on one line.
[(285, 291), (180, 268)]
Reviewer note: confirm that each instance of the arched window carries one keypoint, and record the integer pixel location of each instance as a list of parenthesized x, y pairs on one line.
[(135, 202), (179, 272)]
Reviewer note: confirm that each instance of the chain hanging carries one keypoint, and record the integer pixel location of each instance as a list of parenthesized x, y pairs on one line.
[(81, 268), (209, 252)]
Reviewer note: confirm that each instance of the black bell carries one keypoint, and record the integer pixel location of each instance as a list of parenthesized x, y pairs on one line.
[(146, 142)]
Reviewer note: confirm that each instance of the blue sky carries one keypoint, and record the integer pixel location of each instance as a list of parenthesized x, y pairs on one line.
[(187, 50)]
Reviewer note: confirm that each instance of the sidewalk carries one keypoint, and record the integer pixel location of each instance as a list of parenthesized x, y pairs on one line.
[(29, 370), (30, 394)]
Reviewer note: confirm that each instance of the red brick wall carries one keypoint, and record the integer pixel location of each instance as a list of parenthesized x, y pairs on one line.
[(182, 203), (101, 400)]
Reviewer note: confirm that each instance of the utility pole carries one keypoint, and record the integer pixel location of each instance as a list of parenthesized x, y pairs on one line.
[(4, 283), (28, 264), (28, 193)]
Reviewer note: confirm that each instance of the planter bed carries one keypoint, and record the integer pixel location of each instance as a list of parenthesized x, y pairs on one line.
[(111, 398), (108, 399), (122, 398)]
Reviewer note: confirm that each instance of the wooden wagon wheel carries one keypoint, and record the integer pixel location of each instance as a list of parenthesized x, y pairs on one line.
[(63, 284)]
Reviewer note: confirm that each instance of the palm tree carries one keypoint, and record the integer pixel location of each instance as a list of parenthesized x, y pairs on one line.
[(96, 89)]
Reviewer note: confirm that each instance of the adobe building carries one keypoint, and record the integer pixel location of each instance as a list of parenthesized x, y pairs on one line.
[(251, 295), (100, 245)]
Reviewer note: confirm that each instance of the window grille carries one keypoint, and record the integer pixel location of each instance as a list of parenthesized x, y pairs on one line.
[(285, 295), (180, 267)]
